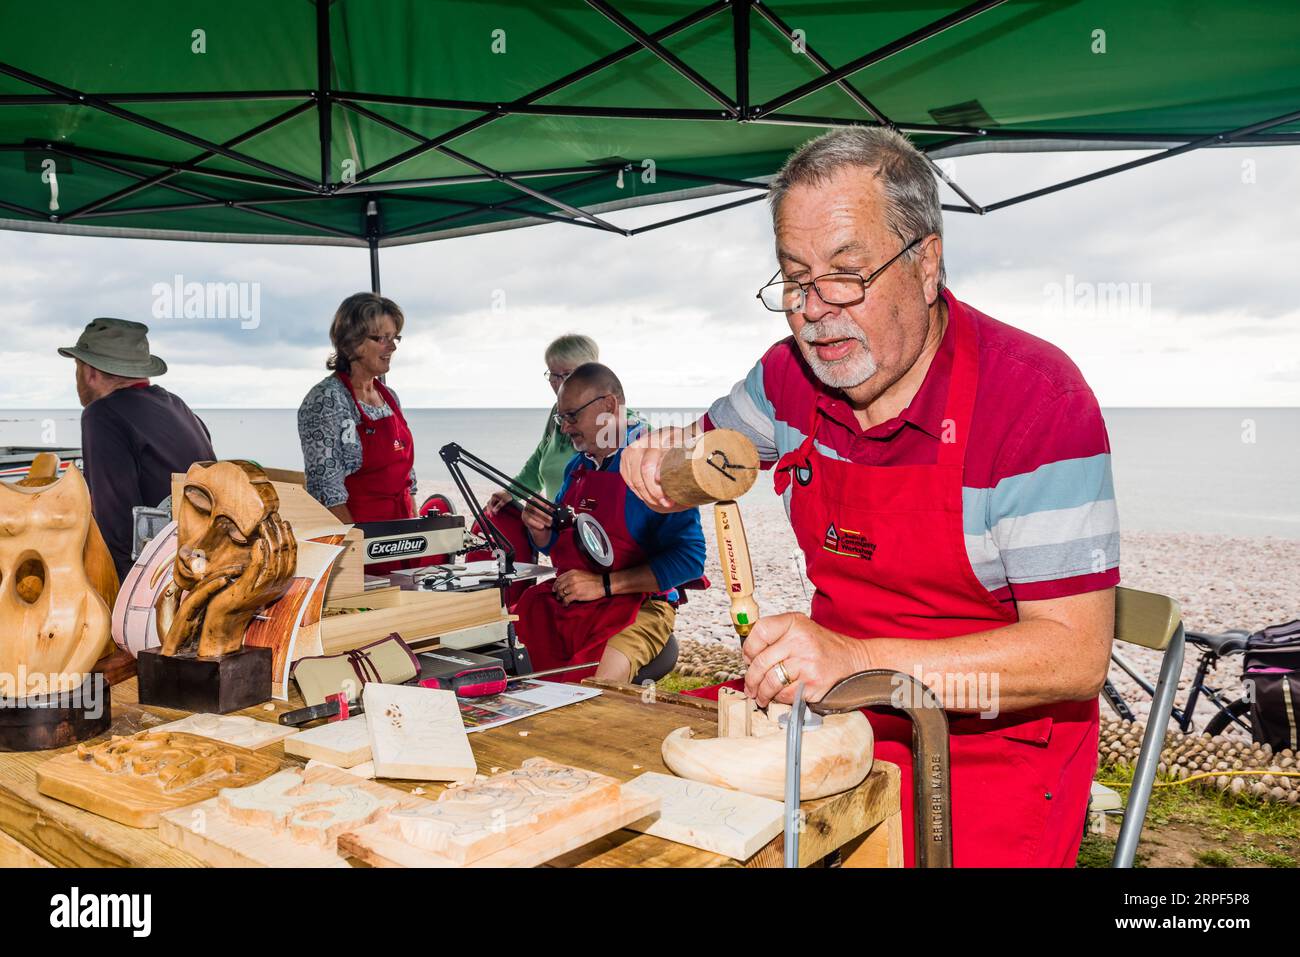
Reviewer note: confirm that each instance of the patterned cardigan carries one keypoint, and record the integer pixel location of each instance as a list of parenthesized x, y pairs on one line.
[(327, 429)]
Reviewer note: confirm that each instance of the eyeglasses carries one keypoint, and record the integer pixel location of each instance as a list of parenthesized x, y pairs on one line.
[(572, 417), (384, 340), (834, 288), (555, 376)]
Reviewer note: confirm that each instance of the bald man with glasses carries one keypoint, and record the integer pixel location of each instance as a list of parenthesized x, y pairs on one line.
[(621, 616)]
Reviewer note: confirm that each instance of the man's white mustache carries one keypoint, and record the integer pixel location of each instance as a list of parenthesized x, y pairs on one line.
[(823, 331)]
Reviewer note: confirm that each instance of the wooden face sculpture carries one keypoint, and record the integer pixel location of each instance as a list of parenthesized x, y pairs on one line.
[(54, 623), (235, 555)]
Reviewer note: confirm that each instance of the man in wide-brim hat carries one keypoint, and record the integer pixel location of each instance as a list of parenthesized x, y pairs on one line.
[(134, 435)]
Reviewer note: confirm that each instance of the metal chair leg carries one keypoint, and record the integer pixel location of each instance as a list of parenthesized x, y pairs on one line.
[(1144, 775)]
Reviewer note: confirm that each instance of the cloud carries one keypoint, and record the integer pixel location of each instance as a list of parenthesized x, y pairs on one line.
[(674, 309)]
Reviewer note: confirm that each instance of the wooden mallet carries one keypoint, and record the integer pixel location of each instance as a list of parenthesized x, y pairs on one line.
[(720, 467)]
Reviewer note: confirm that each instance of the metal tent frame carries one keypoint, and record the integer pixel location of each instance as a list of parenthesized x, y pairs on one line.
[(544, 202)]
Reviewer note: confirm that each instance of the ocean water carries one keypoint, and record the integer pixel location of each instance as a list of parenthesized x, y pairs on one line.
[(1213, 471)]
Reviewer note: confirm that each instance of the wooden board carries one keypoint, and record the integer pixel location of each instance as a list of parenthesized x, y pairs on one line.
[(377, 846), (417, 734), (710, 818), (291, 819), (415, 615), (341, 743), (483, 817), (237, 729), (366, 770), (137, 793)]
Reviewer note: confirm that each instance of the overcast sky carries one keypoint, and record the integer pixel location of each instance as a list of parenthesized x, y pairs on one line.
[(1171, 285)]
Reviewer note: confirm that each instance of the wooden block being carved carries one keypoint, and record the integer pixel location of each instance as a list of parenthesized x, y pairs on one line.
[(834, 758), (341, 743), (734, 710), (132, 780), (237, 729), (517, 819), (291, 819), (710, 818), (417, 734)]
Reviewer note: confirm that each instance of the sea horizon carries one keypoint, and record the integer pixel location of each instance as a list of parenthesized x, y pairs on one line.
[(1223, 470)]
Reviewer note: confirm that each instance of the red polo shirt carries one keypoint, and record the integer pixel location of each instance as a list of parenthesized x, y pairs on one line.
[(1038, 501)]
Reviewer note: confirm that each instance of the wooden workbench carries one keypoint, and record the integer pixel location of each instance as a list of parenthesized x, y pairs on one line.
[(618, 733)]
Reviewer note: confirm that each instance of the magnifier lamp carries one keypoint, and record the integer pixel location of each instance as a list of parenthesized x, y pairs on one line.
[(591, 537)]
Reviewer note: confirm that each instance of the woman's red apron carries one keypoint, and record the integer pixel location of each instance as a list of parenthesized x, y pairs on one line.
[(381, 489), (556, 635), (886, 553)]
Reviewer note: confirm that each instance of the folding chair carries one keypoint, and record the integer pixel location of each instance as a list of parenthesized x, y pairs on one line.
[(1152, 621)]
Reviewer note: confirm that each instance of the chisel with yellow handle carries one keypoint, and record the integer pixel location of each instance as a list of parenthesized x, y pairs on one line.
[(733, 554)]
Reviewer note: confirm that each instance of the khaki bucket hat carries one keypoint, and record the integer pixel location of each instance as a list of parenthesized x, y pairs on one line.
[(118, 347)]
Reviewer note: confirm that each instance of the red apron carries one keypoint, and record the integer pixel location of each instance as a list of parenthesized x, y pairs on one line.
[(557, 635), (380, 490), (886, 553)]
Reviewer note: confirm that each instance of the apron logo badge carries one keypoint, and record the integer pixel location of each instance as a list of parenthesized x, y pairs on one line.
[(848, 543), (397, 445)]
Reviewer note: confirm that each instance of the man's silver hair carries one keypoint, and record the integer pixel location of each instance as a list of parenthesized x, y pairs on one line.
[(911, 193), (572, 350)]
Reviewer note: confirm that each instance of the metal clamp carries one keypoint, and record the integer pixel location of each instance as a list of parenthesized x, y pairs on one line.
[(931, 771)]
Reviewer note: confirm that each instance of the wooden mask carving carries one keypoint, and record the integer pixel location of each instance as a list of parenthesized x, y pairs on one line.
[(53, 622), (234, 556)]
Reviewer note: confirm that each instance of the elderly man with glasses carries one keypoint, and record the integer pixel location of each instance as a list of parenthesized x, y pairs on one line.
[(948, 479), (620, 616)]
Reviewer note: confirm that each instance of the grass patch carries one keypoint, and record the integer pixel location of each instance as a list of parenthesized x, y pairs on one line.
[(1218, 812), (1259, 855), (1244, 828), (673, 682), (1214, 859)]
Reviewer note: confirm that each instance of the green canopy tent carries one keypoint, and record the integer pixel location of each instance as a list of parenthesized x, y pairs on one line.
[(382, 122)]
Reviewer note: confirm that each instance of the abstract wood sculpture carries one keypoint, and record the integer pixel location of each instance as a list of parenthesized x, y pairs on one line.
[(55, 622), (417, 733), (834, 757), (721, 465), (234, 557), (133, 779), (710, 818), (291, 819), (99, 561), (515, 819)]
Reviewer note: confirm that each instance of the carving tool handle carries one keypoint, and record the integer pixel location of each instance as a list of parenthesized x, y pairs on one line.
[(737, 571)]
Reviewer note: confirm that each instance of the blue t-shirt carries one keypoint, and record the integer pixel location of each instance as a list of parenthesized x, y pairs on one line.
[(673, 543)]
